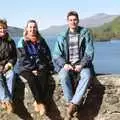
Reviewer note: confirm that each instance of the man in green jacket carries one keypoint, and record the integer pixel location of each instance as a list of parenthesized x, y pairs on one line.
[(72, 56)]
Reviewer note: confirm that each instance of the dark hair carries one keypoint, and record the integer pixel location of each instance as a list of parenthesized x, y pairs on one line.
[(73, 13)]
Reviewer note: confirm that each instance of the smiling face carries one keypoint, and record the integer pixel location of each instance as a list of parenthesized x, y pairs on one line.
[(31, 29), (3, 29), (72, 22)]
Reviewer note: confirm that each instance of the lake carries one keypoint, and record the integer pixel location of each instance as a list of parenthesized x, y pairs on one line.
[(106, 58)]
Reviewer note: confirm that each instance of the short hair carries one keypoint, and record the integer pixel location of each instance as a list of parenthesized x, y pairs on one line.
[(3, 22), (73, 13)]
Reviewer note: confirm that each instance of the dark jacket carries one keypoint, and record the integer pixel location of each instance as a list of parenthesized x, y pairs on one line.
[(29, 62), (86, 49), (7, 51)]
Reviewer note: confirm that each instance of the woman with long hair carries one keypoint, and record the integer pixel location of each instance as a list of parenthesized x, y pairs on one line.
[(34, 64)]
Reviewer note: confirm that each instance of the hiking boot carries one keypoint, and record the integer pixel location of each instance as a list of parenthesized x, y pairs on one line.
[(3, 105), (72, 108), (9, 107)]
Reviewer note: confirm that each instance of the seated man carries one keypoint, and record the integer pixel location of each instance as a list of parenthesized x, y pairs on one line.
[(8, 59), (73, 55)]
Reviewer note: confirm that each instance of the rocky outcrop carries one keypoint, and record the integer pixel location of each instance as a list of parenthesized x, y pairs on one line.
[(102, 103)]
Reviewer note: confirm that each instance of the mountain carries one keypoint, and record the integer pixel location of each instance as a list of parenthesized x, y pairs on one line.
[(110, 30), (15, 32), (97, 20), (93, 21)]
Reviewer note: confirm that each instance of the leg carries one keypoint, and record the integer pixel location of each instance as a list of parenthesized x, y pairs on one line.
[(66, 84), (31, 79), (80, 90), (33, 84), (42, 84), (10, 83), (2, 89), (82, 86), (7, 99)]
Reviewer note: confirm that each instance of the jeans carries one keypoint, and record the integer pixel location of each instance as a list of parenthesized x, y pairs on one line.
[(66, 83), (6, 85)]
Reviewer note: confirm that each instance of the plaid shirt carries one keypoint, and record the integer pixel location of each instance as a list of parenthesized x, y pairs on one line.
[(73, 48)]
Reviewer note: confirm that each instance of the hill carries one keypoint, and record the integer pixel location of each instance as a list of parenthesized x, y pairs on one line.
[(103, 26), (93, 21), (108, 31), (15, 32)]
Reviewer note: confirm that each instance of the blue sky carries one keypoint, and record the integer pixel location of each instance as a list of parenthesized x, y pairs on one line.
[(53, 12)]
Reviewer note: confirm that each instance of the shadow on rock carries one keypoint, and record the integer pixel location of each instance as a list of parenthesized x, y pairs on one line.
[(90, 109), (20, 109), (52, 110)]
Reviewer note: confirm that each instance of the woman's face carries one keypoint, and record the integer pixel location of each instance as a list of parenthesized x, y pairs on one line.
[(31, 29), (3, 31)]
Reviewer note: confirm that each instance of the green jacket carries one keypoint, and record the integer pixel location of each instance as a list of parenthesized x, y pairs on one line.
[(61, 50)]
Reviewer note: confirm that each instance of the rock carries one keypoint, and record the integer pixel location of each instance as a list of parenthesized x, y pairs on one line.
[(102, 103)]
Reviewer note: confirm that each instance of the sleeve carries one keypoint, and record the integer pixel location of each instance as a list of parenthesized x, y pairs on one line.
[(89, 49), (13, 57), (58, 57)]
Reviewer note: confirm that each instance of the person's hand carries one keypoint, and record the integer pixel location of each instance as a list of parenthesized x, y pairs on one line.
[(68, 67), (7, 67), (78, 68), (35, 72)]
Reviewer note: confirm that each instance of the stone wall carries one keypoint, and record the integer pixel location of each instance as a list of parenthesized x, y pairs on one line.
[(102, 103)]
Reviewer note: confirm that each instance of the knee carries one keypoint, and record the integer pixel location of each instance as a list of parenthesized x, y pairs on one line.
[(63, 75), (85, 73)]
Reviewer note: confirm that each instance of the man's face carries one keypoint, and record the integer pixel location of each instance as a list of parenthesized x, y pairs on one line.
[(72, 22), (3, 31)]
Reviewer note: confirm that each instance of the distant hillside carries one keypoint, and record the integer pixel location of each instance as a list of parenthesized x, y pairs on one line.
[(93, 21), (15, 32), (103, 26), (108, 31), (97, 20)]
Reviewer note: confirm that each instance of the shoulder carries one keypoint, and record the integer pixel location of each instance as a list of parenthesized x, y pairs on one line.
[(62, 36), (83, 30), (10, 41), (42, 39), (20, 42)]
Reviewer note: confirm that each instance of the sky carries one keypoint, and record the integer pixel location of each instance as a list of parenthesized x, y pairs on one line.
[(53, 12)]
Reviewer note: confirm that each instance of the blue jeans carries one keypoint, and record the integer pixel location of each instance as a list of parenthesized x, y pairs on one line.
[(66, 83), (6, 86)]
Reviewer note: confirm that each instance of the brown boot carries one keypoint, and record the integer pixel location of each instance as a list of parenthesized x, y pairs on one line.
[(9, 107), (3, 104), (72, 108), (42, 109)]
